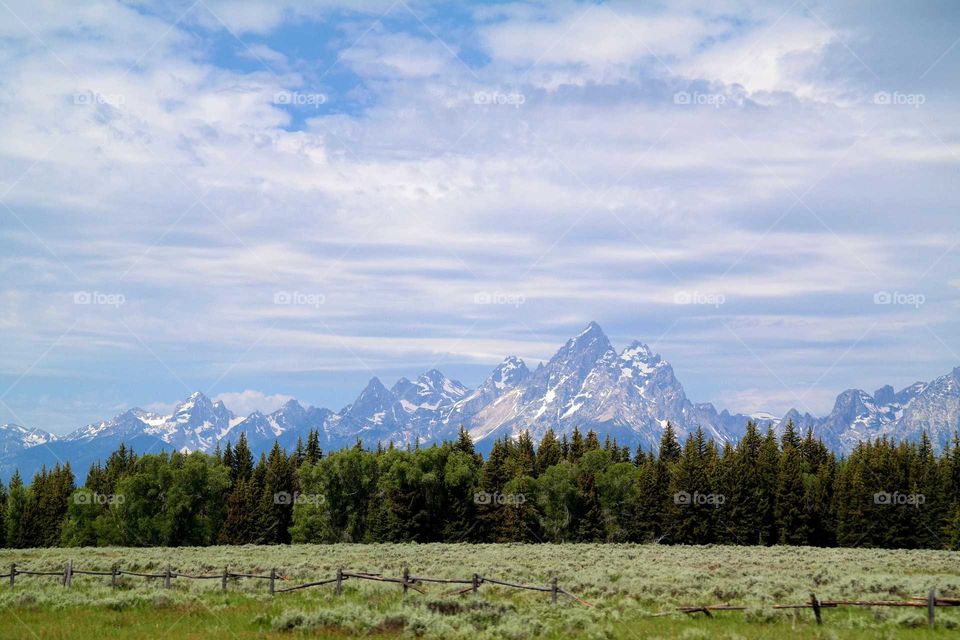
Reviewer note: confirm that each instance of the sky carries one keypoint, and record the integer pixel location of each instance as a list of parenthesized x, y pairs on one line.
[(265, 199)]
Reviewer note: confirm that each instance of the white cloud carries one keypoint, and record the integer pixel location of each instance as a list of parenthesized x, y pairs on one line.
[(597, 197)]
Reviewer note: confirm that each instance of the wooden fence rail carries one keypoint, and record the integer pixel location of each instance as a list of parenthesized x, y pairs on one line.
[(930, 602), (406, 580)]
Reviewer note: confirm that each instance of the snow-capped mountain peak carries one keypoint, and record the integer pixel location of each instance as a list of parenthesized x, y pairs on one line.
[(630, 395), (14, 437)]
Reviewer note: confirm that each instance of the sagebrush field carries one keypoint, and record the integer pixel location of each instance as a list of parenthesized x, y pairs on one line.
[(627, 584)]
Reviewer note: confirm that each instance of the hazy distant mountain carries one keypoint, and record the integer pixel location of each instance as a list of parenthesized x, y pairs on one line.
[(14, 438), (933, 407), (629, 395)]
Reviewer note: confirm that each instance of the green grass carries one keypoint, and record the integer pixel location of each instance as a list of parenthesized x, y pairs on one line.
[(626, 583)]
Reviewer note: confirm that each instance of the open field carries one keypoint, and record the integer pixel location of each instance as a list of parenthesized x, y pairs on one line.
[(626, 583)]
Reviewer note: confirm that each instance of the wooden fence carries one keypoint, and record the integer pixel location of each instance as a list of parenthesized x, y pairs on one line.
[(472, 585), (930, 602), (405, 580)]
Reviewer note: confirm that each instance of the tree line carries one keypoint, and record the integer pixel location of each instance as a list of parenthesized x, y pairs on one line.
[(763, 490)]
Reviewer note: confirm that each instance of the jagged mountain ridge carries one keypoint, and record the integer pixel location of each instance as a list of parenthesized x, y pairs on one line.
[(857, 416), (629, 395), (14, 437)]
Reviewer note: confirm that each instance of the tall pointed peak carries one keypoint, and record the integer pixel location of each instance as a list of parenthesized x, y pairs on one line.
[(591, 335), (374, 384), (592, 329), (195, 398), (433, 375), (585, 348), (291, 405)]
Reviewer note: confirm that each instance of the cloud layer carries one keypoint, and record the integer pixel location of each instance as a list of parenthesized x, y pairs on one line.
[(288, 199)]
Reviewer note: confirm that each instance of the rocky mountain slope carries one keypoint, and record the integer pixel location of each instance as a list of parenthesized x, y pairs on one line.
[(629, 394)]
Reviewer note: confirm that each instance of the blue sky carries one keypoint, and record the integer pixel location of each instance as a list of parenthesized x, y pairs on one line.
[(262, 200)]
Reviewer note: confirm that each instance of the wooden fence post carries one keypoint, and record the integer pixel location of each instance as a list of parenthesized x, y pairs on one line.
[(553, 590), (223, 580), (931, 607), (406, 578), (68, 574), (113, 576), (339, 588), (273, 580), (815, 603), (475, 583), (166, 578), (13, 574)]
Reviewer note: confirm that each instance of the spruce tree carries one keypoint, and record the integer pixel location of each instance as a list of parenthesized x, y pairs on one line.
[(313, 452), (588, 517), (576, 448), (523, 458), (791, 511), (548, 453), (669, 447), (768, 468), (592, 443), (3, 515), (16, 513), (242, 468), (493, 479)]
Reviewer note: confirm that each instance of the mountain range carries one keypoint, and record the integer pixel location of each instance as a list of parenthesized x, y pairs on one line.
[(629, 395)]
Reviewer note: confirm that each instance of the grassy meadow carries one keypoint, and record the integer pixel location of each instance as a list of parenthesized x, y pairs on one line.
[(627, 584)]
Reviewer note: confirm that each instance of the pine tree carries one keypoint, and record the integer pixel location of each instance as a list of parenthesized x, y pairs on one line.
[(299, 454), (790, 436), (313, 452), (3, 515), (589, 513), (669, 447), (548, 453), (493, 479), (576, 448), (242, 468), (464, 442), (228, 461), (768, 468), (243, 524), (278, 495), (16, 513), (693, 495), (592, 443), (523, 458), (791, 511)]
